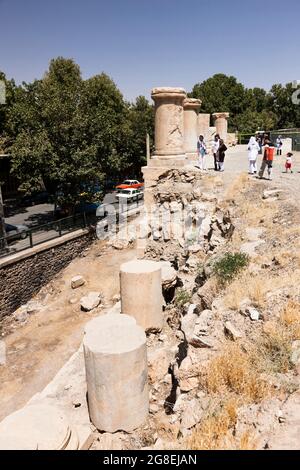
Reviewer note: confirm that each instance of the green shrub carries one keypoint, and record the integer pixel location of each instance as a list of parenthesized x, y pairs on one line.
[(182, 297), (229, 266)]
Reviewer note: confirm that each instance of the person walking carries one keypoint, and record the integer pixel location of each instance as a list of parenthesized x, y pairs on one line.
[(267, 161), (253, 151), (221, 154), (279, 145), (215, 149), (202, 151)]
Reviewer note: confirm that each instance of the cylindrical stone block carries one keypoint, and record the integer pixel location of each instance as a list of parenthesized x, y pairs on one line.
[(221, 123), (203, 125), (169, 127), (141, 293), (191, 108), (116, 373)]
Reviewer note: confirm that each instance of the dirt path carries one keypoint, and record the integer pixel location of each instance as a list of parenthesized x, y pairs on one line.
[(38, 349)]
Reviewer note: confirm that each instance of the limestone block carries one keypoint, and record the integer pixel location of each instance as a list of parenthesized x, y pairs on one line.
[(77, 281), (37, 427), (141, 293), (169, 127), (116, 373), (90, 301)]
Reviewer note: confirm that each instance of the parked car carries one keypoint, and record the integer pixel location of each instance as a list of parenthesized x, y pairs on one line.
[(16, 232), (128, 184), (129, 195)]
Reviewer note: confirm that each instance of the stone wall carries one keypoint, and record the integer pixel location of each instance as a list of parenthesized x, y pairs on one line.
[(22, 279)]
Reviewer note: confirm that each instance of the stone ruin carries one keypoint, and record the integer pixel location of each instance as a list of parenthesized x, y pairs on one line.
[(179, 205), (184, 219)]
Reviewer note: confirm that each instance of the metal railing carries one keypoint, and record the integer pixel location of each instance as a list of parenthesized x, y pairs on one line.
[(43, 233)]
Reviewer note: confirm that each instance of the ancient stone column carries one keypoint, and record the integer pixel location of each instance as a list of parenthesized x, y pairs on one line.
[(221, 123), (191, 108), (141, 293), (116, 373), (203, 125), (169, 127)]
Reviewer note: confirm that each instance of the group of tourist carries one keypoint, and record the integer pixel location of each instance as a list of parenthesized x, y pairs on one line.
[(261, 144), (264, 145), (218, 148)]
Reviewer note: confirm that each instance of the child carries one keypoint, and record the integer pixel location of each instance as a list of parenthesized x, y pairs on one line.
[(202, 152), (288, 162)]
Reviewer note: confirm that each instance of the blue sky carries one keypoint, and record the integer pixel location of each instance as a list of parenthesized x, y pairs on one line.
[(142, 44)]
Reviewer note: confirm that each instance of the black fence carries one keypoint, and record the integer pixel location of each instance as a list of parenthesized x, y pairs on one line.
[(43, 233), (112, 213)]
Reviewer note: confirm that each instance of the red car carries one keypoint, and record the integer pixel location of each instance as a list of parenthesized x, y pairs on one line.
[(130, 184)]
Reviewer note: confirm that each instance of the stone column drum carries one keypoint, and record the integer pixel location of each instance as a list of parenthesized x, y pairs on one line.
[(169, 127), (141, 293), (221, 123), (203, 125), (116, 373), (191, 108)]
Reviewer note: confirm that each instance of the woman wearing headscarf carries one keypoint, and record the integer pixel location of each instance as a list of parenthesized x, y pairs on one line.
[(253, 150)]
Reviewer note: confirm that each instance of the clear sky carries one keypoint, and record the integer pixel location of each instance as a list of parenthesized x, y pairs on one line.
[(147, 43)]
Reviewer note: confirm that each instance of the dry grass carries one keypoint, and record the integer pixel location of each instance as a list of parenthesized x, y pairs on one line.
[(233, 371), (246, 286), (274, 347), (213, 432), (255, 287), (216, 430), (239, 185)]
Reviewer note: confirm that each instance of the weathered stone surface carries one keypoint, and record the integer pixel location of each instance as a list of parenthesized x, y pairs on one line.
[(35, 427), (169, 128), (77, 281), (159, 360), (141, 292), (168, 274), (33, 306), (90, 301), (109, 441), (270, 194), (116, 372), (232, 331), (253, 313), (192, 415)]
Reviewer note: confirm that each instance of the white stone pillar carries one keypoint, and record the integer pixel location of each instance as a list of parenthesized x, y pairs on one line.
[(169, 127), (221, 123), (116, 372), (203, 125), (141, 293), (191, 108)]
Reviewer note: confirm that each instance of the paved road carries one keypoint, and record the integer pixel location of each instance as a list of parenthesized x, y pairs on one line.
[(34, 216)]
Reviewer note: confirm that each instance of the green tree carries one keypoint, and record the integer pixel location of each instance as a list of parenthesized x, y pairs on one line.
[(251, 121), (281, 102), (221, 93), (141, 123)]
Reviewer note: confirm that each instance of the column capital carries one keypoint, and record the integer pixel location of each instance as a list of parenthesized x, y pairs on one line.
[(220, 115), (167, 93), (192, 103)]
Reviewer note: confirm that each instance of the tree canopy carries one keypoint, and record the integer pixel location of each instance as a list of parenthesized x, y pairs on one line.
[(69, 135)]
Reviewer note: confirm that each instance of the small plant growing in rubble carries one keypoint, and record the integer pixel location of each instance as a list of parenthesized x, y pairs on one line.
[(182, 297), (230, 265)]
